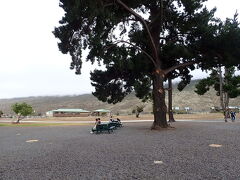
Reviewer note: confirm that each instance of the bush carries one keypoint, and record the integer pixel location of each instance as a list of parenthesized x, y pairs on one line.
[(103, 114), (180, 112)]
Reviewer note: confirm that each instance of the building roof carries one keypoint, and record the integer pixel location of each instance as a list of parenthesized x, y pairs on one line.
[(102, 110), (71, 110), (232, 107)]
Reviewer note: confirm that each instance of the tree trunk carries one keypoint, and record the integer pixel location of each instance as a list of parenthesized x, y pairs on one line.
[(18, 119), (137, 115), (159, 106), (222, 95), (170, 112), (226, 103), (226, 95)]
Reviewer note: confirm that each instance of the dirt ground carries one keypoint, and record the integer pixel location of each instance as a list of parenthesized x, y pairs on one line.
[(200, 116)]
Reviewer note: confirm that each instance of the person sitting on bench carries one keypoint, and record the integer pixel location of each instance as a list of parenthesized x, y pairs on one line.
[(97, 122)]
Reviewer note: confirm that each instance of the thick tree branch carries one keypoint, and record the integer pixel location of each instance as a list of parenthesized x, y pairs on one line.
[(138, 48), (109, 4), (219, 55), (143, 22), (156, 18), (179, 66)]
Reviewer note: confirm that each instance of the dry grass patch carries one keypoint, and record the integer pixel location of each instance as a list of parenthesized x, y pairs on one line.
[(200, 116), (42, 124)]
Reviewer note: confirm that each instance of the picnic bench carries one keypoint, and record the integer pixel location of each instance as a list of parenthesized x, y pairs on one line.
[(103, 127), (115, 124)]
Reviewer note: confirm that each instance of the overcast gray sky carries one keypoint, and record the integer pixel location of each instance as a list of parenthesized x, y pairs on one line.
[(31, 64)]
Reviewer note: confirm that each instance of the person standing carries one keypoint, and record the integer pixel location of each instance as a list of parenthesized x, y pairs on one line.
[(233, 115)]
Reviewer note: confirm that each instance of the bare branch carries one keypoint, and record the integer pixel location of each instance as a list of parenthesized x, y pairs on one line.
[(179, 66), (143, 22), (109, 4), (138, 48)]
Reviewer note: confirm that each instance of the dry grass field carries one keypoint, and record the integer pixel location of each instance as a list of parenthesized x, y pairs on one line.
[(199, 116)]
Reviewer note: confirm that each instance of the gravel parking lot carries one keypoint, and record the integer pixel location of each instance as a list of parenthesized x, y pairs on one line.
[(132, 152)]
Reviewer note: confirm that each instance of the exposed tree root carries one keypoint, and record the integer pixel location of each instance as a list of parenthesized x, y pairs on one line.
[(171, 120), (16, 122), (158, 127)]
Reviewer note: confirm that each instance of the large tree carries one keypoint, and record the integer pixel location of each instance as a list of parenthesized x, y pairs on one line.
[(130, 38), (227, 85), (223, 47), (22, 110)]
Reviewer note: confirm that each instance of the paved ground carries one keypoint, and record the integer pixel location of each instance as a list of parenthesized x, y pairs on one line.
[(133, 152)]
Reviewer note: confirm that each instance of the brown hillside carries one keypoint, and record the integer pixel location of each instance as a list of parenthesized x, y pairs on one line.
[(186, 98)]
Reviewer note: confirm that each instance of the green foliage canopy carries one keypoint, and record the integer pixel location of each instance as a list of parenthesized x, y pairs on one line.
[(22, 109), (221, 46), (132, 39), (138, 109), (232, 87)]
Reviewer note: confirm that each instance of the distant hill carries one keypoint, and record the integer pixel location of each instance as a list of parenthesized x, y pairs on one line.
[(186, 98)]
